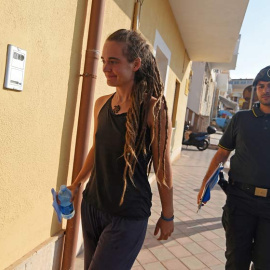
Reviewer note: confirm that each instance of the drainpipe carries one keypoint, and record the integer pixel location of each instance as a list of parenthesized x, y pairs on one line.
[(84, 124), (136, 16)]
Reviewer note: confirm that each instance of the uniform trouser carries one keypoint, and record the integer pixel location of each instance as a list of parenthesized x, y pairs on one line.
[(246, 220), (110, 242)]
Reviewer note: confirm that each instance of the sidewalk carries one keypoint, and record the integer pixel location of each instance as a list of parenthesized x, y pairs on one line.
[(198, 241)]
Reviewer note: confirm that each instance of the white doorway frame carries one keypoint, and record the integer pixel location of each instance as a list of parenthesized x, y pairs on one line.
[(160, 43)]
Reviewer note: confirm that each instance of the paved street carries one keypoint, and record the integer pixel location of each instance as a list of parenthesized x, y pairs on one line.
[(198, 241)]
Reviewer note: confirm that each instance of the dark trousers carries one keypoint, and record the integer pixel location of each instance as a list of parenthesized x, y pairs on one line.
[(246, 220), (110, 242)]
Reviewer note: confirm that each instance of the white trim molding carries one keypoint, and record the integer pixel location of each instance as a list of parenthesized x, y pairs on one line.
[(160, 43)]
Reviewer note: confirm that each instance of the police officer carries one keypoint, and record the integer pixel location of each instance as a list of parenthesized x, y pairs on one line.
[(246, 215)]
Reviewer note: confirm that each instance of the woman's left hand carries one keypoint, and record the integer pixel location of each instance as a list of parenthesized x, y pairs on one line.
[(165, 227)]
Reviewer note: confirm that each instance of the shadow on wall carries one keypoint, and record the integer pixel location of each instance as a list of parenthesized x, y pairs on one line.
[(71, 101), (126, 6)]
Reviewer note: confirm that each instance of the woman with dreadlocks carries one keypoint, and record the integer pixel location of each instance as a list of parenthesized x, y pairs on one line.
[(131, 130)]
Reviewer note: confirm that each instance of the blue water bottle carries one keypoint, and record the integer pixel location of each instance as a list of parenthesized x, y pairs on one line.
[(66, 206)]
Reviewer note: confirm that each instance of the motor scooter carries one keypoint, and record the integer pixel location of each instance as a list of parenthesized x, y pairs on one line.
[(199, 139)]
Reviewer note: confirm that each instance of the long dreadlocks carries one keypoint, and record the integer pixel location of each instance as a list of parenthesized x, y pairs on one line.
[(147, 84)]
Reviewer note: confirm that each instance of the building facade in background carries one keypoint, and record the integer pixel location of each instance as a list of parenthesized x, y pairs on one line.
[(210, 90), (237, 89), (201, 96)]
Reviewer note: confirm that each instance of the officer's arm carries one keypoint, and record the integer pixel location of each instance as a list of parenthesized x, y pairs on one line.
[(220, 157)]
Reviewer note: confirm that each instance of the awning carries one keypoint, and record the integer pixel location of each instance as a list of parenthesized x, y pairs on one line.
[(210, 29), (228, 103)]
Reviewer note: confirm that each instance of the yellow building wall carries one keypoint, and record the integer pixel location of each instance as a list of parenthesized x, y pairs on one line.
[(38, 124)]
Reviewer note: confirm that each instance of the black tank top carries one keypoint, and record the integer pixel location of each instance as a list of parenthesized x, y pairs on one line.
[(105, 187)]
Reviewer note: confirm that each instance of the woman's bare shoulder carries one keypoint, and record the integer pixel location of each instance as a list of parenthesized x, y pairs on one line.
[(150, 117), (103, 98), (154, 109), (152, 102), (152, 105), (101, 101)]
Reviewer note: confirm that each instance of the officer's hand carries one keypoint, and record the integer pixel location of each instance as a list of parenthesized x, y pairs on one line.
[(199, 196)]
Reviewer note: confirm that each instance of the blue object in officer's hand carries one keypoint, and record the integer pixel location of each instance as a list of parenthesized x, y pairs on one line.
[(211, 182)]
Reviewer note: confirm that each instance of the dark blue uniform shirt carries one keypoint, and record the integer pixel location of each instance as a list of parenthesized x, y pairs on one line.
[(249, 135)]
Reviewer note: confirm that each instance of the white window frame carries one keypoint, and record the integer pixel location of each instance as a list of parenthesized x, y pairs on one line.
[(160, 43)]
